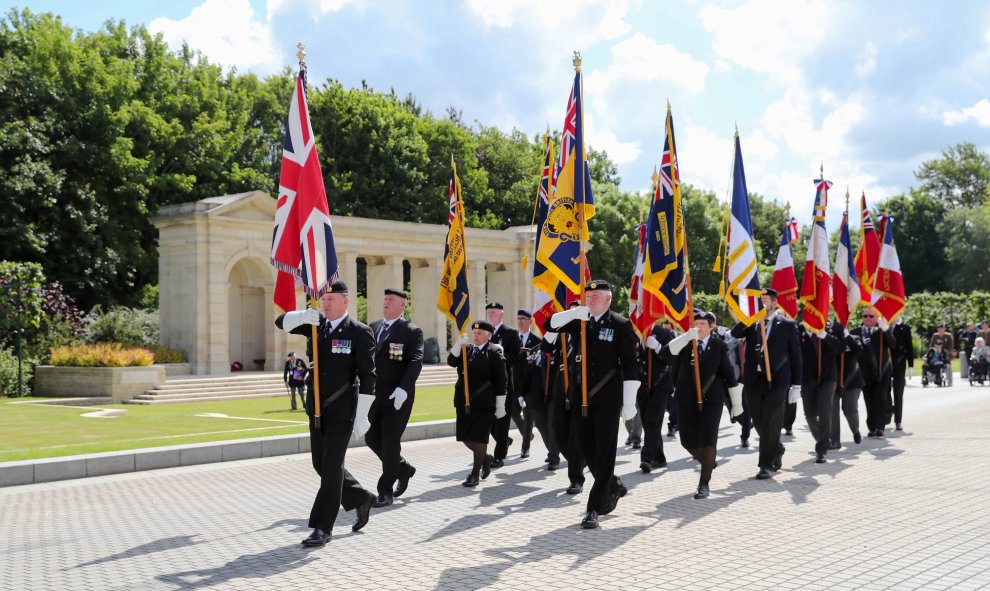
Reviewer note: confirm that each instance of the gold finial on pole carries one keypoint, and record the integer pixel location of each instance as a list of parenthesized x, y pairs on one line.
[(847, 198), (576, 60), (655, 178), (301, 54), (821, 171)]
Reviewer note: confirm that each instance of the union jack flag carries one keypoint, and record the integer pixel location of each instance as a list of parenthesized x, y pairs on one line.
[(568, 134), (302, 240)]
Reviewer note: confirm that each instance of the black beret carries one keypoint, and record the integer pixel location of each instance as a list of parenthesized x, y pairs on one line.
[(940, 325), (396, 292), (291, 353), (524, 312), (482, 325), (338, 287), (769, 291), (704, 315), (574, 304), (598, 285), (494, 306)]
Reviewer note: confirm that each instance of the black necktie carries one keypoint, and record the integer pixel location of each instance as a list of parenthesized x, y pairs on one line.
[(384, 331)]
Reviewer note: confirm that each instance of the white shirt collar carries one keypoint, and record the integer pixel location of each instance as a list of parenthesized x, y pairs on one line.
[(599, 317), (524, 336), (335, 323)]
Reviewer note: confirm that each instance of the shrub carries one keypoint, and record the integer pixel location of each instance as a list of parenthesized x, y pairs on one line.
[(164, 355), (131, 327), (100, 355), (8, 374)]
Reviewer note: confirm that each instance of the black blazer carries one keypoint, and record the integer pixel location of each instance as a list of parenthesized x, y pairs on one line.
[(852, 377), (612, 358), (508, 339), (831, 348), (904, 349), (528, 371), (870, 357), (783, 348), (487, 377), (663, 374), (347, 365), (398, 360), (717, 375)]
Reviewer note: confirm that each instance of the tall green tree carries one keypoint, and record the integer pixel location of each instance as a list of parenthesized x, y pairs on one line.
[(920, 243), (967, 248), (959, 178)]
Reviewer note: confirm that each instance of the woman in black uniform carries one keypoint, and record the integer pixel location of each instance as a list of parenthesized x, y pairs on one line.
[(486, 379), (699, 429)]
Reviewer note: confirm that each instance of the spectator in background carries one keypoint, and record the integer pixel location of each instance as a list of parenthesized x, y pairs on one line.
[(943, 338), (967, 338), (984, 332), (294, 376)]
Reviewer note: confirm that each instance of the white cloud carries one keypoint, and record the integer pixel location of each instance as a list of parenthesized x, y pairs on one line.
[(585, 22), (868, 62), (227, 32), (979, 112), (768, 36), (640, 58)]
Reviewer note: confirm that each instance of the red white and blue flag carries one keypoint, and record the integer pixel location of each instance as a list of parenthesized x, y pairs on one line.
[(868, 254), (302, 241), (845, 284), (888, 285), (645, 308), (816, 283), (784, 281), (743, 291)]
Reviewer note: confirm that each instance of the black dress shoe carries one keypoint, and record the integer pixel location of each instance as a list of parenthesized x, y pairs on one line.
[(778, 460), (789, 433), (702, 492), (382, 501), (317, 538), (496, 463), (628, 440), (657, 464), (744, 442), (553, 465), (857, 437), (547, 460), (403, 482), (575, 488), (898, 427), (471, 481), (764, 474), (590, 520), (636, 444), (363, 513), (835, 445), (879, 433), (524, 454), (819, 458), (646, 467), (670, 431), (486, 468)]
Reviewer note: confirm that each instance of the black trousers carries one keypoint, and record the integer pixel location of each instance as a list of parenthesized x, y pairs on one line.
[(790, 415), (651, 409), (541, 411), (523, 418), (898, 380), (766, 405), (875, 397), (671, 410), (598, 436), (850, 408), (337, 486), (384, 438), (500, 428), (566, 437), (817, 402)]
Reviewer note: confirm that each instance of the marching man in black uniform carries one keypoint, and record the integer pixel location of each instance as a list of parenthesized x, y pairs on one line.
[(821, 374), (398, 361), (530, 386), (613, 381), (766, 398), (849, 386), (557, 350), (508, 339), (699, 429), (874, 362), (346, 350), (904, 361), (652, 398), (486, 384)]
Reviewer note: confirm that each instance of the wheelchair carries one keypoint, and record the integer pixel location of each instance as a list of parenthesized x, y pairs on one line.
[(978, 371), (933, 373)]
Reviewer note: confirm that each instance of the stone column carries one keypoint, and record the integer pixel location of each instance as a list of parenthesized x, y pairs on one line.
[(477, 275), (423, 285), (383, 273), (347, 262), (500, 288)]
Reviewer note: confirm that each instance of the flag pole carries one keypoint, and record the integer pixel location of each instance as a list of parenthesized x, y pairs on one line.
[(821, 170), (582, 269), (842, 358), (464, 348), (314, 303)]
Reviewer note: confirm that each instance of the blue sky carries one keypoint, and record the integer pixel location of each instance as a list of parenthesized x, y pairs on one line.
[(868, 89)]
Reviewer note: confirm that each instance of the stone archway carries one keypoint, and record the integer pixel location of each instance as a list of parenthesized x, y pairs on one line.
[(248, 313)]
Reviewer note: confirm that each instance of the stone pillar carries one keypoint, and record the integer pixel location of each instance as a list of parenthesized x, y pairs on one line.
[(500, 288), (347, 262), (477, 275), (423, 285), (383, 273)]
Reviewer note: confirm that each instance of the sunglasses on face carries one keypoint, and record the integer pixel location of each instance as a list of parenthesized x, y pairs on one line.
[(869, 315)]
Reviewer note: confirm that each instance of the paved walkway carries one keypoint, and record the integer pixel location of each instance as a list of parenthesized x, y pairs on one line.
[(908, 512)]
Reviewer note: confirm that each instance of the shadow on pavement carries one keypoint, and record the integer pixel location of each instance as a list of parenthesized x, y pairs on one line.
[(144, 549), (249, 566)]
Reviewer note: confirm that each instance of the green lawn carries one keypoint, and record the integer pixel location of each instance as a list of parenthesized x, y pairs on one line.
[(30, 431)]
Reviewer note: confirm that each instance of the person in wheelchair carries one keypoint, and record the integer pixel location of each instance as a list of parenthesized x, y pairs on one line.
[(979, 361), (936, 359)]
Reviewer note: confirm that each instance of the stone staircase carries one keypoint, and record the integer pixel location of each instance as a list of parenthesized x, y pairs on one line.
[(242, 385)]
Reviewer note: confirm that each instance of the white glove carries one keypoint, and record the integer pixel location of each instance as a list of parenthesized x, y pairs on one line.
[(458, 345), (682, 341), (883, 324), (653, 343), (399, 397), (561, 318), (910, 373), (820, 334), (522, 401), (361, 422), (845, 332), (292, 320), (629, 389), (794, 395), (499, 407), (722, 331), (550, 336), (735, 396)]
